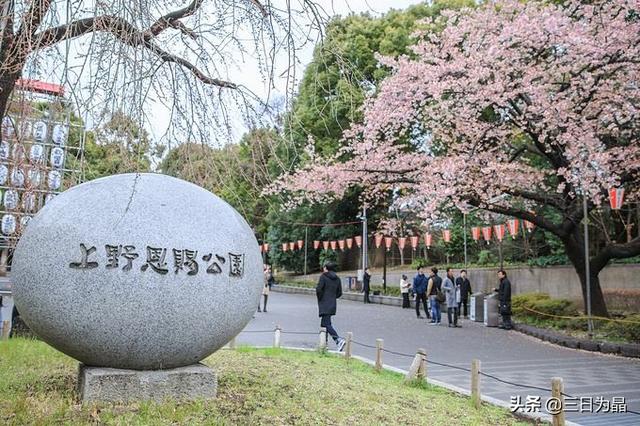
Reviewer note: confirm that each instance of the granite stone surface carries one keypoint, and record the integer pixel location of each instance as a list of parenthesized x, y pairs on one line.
[(137, 271), (99, 384)]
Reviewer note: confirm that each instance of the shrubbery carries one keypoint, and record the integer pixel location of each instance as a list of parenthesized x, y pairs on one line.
[(543, 303)]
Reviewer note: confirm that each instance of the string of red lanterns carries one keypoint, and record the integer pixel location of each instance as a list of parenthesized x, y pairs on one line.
[(486, 232)]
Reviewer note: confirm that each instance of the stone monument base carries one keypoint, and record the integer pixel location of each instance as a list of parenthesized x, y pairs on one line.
[(100, 384)]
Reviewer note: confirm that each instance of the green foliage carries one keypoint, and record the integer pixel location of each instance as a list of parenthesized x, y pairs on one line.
[(118, 146), (543, 303), (485, 258), (550, 260), (625, 330), (419, 262)]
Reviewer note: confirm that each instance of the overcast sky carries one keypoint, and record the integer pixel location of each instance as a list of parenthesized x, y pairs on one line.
[(253, 80)]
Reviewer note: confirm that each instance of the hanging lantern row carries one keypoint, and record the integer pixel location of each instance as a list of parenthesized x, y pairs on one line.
[(487, 232)]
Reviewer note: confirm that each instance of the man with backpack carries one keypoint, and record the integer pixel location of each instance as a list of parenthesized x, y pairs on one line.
[(328, 290), (434, 290)]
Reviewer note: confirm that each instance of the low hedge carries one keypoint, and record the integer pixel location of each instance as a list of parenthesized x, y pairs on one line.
[(523, 306)]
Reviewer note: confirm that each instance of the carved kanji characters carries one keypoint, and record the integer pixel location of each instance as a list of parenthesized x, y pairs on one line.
[(84, 259), (129, 254), (236, 265), (156, 259), (186, 258), (215, 267)]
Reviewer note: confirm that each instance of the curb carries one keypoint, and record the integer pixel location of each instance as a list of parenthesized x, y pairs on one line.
[(624, 349)]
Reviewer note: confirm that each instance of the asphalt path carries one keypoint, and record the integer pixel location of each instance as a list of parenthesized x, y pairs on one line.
[(593, 379)]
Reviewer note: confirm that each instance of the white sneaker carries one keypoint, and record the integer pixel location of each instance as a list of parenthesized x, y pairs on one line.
[(341, 343)]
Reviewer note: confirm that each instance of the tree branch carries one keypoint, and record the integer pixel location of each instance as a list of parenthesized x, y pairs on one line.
[(171, 19), (125, 32), (615, 251)]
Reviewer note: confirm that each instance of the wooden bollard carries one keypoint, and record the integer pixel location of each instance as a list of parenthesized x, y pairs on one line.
[(347, 346), (379, 347), (557, 388), (276, 337), (323, 339), (5, 329), (418, 369), (475, 383)]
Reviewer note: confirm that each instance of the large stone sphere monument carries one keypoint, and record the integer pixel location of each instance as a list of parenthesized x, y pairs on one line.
[(139, 277)]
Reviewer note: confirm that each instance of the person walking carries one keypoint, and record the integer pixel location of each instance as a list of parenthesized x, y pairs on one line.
[(452, 293), (404, 290), (328, 291), (268, 283), (465, 291), (434, 290), (420, 289), (366, 285), (504, 296)]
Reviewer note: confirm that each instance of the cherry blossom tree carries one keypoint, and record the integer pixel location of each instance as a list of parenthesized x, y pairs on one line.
[(518, 108)]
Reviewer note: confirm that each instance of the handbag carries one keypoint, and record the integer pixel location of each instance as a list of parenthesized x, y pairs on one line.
[(505, 309), (440, 296)]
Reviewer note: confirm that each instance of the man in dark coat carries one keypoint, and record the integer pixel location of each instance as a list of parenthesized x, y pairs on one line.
[(420, 289), (328, 290), (504, 296), (366, 285), (465, 291)]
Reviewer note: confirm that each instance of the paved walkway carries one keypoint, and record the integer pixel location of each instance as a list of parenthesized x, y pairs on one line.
[(508, 355)]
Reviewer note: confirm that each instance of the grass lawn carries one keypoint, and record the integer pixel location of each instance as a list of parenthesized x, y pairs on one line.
[(255, 386)]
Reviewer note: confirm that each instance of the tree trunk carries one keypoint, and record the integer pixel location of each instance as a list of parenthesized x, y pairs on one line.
[(574, 247), (7, 83)]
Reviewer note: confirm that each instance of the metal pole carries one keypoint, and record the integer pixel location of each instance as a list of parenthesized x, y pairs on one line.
[(500, 253), (464, 225), (384, 273), (364, 239), (306, 245), (585, 212)]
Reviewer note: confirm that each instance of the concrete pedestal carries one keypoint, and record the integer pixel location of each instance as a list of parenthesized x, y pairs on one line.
[(97, 384)]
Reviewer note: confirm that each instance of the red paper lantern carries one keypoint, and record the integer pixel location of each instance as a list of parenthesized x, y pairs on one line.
[(513, 227), (316, 244), (499, 229), (414, 242), (301, 244), (292, 246), (529, 225), (378, 240), (428, 239), (402, 241), (486, 233), (475, 232), (616, 197), (349, 243), (333, 245), (325, 245), (285, 246), (446, 235), (387, 242), (358, 241), (341, 244)]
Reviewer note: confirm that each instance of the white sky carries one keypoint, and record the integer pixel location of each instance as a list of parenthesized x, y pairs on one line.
[(253, 81)]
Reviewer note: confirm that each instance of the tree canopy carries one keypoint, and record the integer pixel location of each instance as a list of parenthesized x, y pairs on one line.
[(512, 107)]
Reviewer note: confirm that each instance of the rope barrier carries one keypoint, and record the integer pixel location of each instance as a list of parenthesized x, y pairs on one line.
[(441, 364), (397, 353), (581, 318)]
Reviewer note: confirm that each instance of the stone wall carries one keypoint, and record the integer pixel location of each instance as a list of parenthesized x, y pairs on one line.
[(557, 281)]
